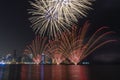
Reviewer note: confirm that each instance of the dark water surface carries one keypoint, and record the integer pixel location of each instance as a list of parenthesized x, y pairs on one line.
[(59, 72)]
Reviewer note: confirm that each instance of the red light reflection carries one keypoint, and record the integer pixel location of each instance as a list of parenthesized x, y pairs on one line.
[(78, 73), (59, 72)]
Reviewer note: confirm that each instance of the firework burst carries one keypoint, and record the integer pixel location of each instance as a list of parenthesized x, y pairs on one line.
[(70, 10), (53, 52), (44, 20), (36, 48), (51, 17), (73, 46), (93, 43)]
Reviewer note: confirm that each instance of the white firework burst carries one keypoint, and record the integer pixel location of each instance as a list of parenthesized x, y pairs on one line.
[(71, 10), (51, 17), (44, 20)]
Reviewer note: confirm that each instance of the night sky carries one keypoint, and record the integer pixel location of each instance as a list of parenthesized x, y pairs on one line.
[(15, 31)]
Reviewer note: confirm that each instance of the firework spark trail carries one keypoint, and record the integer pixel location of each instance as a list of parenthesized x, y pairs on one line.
[(36, 48), (91, 45), (75, 56), (97, 39), (100, 29), (103, 43), (82, 31), (51, 17), (58, 57), (68, 43), (54, 52)]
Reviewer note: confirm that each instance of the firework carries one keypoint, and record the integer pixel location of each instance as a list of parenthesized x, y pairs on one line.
[(51, 17), (62, 45), (93, 43), (58, 58), (36, 48), (70, 10), (37, 59), (75, 55), (73, 46), (44, 20), (53, 52), (69, 45)]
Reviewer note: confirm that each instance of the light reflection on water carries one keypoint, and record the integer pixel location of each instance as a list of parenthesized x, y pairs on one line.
[(58, 72), (1, 73), (53, 72), (78, 72)]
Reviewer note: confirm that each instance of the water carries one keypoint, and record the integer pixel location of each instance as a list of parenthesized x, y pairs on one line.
[(59, 72)]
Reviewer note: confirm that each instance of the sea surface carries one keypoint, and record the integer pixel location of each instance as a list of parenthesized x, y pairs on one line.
[(59, 72)]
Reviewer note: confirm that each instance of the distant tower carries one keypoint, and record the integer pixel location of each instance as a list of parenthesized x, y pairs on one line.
[(43, 59), (14, 55)]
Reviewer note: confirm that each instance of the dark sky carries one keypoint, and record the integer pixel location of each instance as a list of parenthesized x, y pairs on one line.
[(14, 26), (15, 32)]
